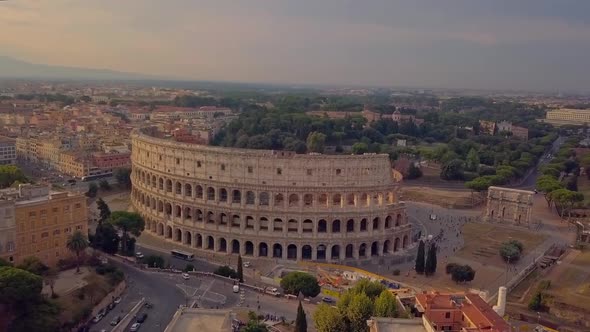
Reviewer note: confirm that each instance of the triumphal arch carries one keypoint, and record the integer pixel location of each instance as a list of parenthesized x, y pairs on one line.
[(506, 205)]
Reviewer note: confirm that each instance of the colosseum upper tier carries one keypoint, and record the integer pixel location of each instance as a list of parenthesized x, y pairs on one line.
[(264, 203)]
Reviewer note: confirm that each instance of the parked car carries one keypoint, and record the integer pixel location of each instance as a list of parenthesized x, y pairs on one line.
[(116, 320), (247, 264), (138, 255), (141, 318), (185, 276), (111, 306), (148, 305), (135, 327), (328, 299), (118, 300), (97, 318)]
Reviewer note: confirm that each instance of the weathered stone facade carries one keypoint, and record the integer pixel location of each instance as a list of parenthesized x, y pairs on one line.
[(264, 203), (509, 206)]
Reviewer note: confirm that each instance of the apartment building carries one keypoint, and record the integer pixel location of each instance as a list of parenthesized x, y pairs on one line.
[(7, 151), (567, 116), (44, 220), (7, 231)]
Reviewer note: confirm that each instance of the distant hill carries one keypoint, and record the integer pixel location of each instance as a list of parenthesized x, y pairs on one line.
[(14, 68)]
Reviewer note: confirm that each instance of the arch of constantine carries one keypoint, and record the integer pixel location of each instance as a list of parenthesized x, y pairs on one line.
[(508, 205), (267, 203)]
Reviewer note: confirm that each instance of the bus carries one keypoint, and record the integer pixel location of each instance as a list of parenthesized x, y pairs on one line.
[(182, 255)]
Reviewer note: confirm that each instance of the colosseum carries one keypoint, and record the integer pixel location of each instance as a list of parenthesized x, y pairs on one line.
[(266, 203)]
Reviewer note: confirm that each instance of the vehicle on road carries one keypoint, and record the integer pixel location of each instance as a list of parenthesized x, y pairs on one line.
[(185, 276), (135, 327), (328, 299), (138, 255), (247, 264), (111, 306), (187, 256), (96, 177), (141, 318), (97, 318), (118, 300), (236, 288), (116, 320), (148, 305)]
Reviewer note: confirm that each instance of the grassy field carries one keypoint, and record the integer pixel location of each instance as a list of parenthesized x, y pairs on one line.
[(483, 241), (454, 199)]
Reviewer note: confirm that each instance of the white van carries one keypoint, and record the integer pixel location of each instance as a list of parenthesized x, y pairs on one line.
[(236, 288)]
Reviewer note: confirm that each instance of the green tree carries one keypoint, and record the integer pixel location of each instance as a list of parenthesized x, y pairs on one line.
[(420, 258), (358, 312), (316, 142), (565, 200), (472, 161), (453, 170), (240, 269), (479, 184), (77, 243), (371, 288), (254, 324), (4, 262), (92, 189), (154, 261), (430, 264), (360, 148), (536, 301), (33, 265), (300, 282), (10, 174), (226, 271), (123, 176), (104, 210), (106, 238), (511, 251), (414, 172), (548, 184), (127, 222), (328, 319), (104, 185), (462, 273), (301, 320), (385, 305)]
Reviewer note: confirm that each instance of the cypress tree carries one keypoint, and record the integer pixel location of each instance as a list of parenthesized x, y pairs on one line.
[(430, 266), (300, 321), (240, 269), (420, 258)]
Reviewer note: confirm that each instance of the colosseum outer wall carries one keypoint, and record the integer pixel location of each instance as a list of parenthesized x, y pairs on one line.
[(274, 204)]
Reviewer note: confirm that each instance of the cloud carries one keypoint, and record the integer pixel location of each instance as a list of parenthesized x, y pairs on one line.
[(338, 41)]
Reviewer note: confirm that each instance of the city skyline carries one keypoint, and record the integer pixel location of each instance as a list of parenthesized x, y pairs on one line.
[(526, 46)]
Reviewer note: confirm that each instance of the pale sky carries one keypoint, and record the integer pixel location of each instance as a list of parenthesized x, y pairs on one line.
[(512, 44)]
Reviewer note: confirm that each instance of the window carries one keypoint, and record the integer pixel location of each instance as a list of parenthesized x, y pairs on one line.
[(279, 171), (43, 212), (77, 206), (78, 227), (338, 171), (309, 171), (198, 164), (44, 234), (250, 169), (32, 214), (56, 232), (447, 315), (54, 209), (177, 161), (67, 208), (160, 157), (223, 167)]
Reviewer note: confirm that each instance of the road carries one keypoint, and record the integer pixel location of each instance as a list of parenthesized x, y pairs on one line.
[(156, 289), (531, 179), (167, 291)]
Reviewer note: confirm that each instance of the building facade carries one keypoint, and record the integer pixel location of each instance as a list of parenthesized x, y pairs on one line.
[(263, 203), (509, 206), (567, 116), (43, 220), (7, 151), (7, 231)]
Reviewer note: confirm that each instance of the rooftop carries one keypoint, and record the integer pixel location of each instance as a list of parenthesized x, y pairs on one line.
[(202, 320)]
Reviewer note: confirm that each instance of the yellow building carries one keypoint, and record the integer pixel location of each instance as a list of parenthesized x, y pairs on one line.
[(44, 221), (74, 163), (7, 231), (567, 116)]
